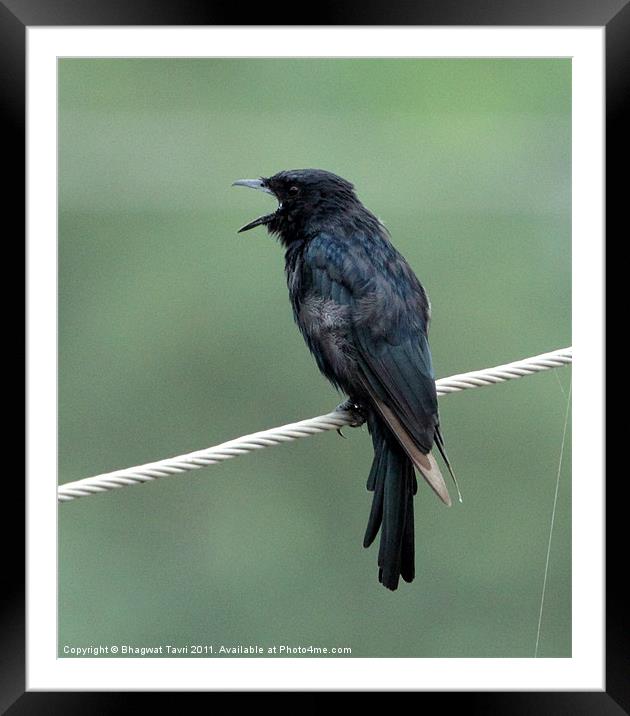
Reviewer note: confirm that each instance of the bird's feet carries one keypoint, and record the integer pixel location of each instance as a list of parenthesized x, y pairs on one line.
[(356, 410)]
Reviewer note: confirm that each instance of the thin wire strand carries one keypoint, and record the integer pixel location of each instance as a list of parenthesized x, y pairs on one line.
[(553, 520), (305, 428), (562, 390)]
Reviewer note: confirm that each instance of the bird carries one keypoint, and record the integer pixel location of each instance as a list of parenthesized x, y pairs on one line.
[(364, 316)]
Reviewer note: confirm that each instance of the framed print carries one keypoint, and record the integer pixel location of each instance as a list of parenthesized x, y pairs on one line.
[(471, 146)]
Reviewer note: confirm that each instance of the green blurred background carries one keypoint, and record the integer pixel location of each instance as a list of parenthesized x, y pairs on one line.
[(176, 334)]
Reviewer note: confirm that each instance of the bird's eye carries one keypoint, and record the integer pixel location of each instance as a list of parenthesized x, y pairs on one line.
[(293, 191)]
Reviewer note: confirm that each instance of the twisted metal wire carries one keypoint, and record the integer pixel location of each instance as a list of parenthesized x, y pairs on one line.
[(287, 433)]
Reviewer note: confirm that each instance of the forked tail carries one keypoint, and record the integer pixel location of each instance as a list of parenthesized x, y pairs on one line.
[(393, 481)]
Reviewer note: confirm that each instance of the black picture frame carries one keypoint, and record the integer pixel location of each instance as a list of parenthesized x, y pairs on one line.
[(17, 15)]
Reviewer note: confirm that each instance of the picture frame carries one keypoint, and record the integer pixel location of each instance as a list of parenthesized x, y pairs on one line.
[(16, 17)]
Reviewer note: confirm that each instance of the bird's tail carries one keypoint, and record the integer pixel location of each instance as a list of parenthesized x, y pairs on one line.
[(393, 481)]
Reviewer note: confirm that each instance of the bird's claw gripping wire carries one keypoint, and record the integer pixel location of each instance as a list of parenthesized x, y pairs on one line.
[(357, 412)]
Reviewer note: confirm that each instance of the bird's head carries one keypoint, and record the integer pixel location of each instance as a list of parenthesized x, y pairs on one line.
[(304, 196)]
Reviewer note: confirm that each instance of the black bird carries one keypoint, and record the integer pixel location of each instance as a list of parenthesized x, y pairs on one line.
[(364, 316)]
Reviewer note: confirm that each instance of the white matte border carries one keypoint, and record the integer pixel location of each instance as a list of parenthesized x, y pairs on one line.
[(585, 669)]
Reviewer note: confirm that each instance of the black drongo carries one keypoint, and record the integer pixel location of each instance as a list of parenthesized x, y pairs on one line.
[(364, 316)]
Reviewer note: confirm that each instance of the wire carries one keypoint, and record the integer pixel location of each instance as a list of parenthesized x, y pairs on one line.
[(553, 520), (287, 433)]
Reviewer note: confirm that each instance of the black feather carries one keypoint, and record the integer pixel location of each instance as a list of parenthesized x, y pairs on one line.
[(364, 316)]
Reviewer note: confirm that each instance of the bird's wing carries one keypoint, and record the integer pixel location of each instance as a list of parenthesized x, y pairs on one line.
[(399, 378), (389, 316)]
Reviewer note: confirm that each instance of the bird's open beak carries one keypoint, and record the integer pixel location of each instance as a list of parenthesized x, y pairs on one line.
[(253, 184), (261, 186)]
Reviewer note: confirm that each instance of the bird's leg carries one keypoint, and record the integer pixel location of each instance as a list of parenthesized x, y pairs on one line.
[(356, 410)]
